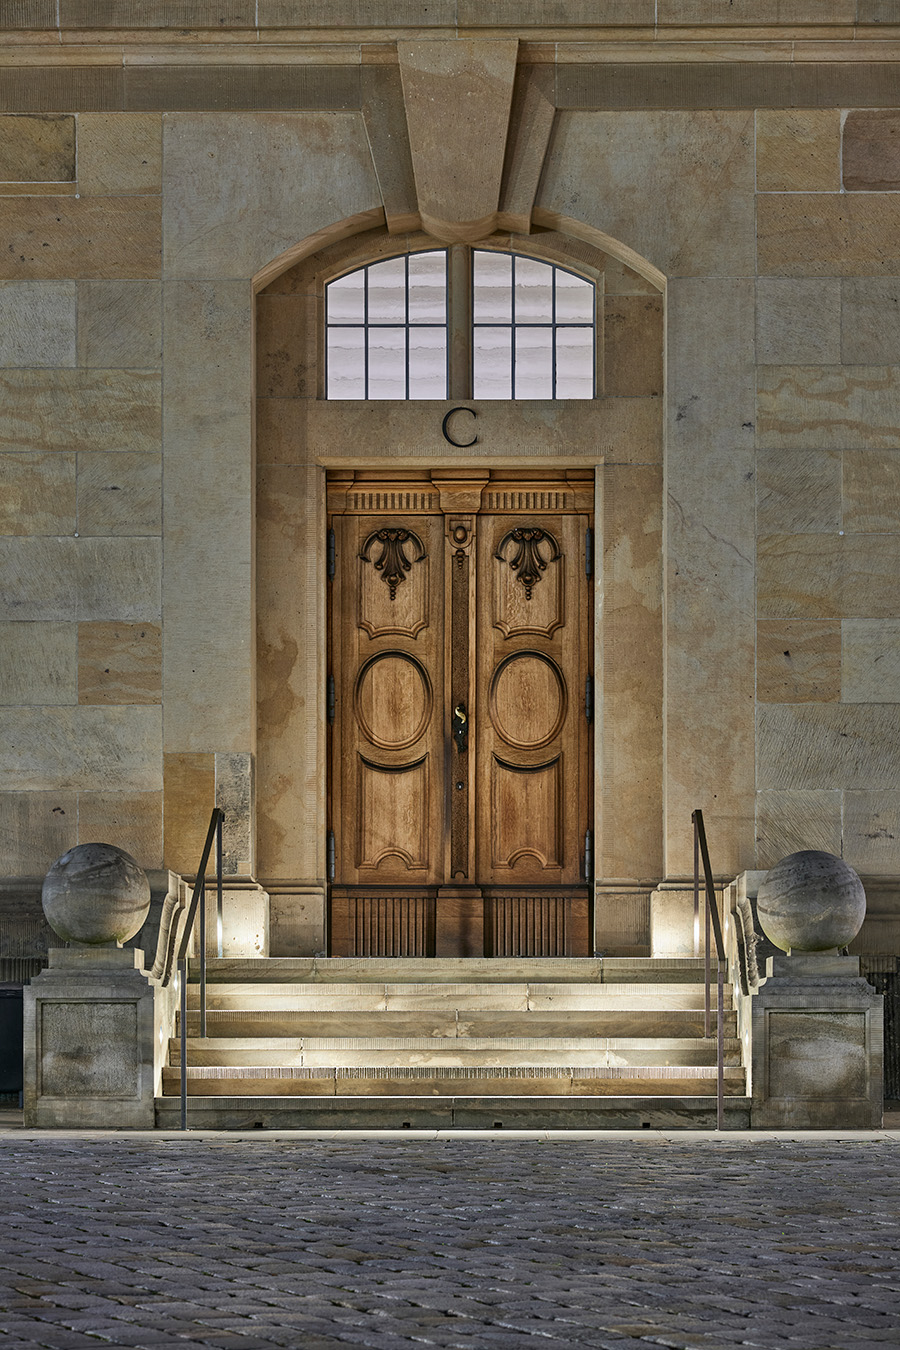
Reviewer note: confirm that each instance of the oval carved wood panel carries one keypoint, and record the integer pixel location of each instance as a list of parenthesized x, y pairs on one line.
[(527, 700), (393, 700)]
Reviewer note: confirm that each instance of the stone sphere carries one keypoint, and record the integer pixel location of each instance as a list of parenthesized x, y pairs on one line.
[(811, 902), (96, 893)]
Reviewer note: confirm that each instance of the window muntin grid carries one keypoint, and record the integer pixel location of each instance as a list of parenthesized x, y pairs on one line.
[(532, 334), (387, 330), (532, 329)]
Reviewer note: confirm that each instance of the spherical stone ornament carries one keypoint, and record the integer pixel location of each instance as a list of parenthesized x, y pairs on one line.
[(811, 902), (96, 893)]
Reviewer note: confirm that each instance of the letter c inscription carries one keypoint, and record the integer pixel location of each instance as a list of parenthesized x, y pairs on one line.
[(461, 445)]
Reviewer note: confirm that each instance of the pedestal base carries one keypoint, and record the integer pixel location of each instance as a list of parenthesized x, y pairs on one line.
[(91, 1041)]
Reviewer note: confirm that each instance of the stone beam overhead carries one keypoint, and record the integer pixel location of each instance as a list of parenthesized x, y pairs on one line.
[(458, 96)]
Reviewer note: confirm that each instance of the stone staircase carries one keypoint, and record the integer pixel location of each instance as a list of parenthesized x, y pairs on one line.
[(514, 1043)]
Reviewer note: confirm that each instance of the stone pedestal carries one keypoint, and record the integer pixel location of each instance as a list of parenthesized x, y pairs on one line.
[(94, 1033), (672, 921), (817, 1046)]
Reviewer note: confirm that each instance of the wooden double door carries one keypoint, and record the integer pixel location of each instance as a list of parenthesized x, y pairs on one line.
[(460, 703)]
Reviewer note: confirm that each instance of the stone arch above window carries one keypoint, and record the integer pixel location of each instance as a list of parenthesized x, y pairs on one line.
[(460, 322)]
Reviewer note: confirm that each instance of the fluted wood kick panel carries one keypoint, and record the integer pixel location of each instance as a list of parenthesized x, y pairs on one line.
[(536, 925), (388, 924)]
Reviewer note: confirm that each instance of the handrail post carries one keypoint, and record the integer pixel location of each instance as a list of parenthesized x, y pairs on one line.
[(706, 1013), (720, 1051), (201, 884), (219, 914), (696, 887), (182, 990)]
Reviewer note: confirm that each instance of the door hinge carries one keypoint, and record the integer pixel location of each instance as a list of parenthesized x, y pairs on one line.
[(588, 855), (589, 553), (329, 698), (332, 555), (331, 855), (589, 698)]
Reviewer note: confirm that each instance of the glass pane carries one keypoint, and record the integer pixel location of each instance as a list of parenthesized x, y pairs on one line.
[(346, 298), (428, 288), (534, 291), (428, 363), (387, 291), (492, 283), (574, 298), (491, 361), (387, 363), (346, 366), (574, 363), (534, 363)]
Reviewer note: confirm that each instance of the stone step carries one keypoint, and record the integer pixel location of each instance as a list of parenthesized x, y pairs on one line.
[(305, 997), (446, 1051), (556, 1080), (614, 1022), (431, 970), (526, 1111)]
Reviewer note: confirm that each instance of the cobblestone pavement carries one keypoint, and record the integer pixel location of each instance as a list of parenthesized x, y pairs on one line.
[(153, 1240)]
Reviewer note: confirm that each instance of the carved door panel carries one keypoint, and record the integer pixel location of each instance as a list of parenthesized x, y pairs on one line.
[(460, 784)]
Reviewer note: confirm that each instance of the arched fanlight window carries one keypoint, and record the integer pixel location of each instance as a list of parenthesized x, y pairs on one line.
[(524, 329)]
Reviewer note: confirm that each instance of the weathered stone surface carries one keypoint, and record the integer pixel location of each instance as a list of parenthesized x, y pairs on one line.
[(823, 576), (119, 663), (130, 820), (37, 149), (755, 11), (208, 515), (286, 345), (237, 201), (290, 502), (37, 323), (710, 629), (811, 901), (692, 213), (73, 237), (37, 494), (35, 827), (96, 893), (870, 661), (819, 234), (871, 831), (47, 749), (795, 818), (236, 795), (80, 410), (798, 490), (88, 14), (458, 95), (119, 579), (37, 579), (530, 125), (189, 797), (119, 493), (870, 319), (38, 663), (633, 345), (825, 407), (827, 745), (871, 150), (631, 695), (120, 324), (798, 661), (798, 150), (119, 154), (798, 321), (871, 490)]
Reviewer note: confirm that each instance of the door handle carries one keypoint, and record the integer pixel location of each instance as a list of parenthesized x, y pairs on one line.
[(460, 728)]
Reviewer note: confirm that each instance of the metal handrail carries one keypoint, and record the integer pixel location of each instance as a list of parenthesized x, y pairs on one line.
[(198, 900), (701, 853)]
